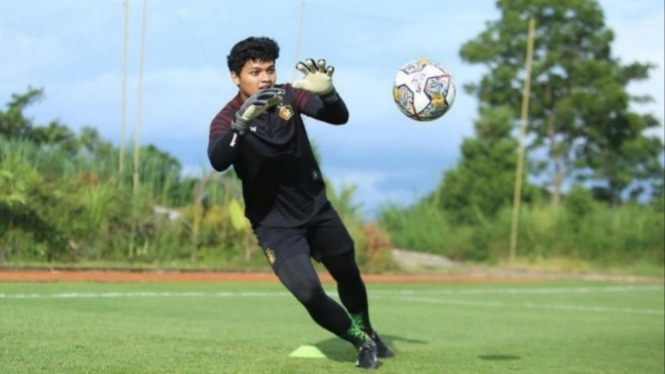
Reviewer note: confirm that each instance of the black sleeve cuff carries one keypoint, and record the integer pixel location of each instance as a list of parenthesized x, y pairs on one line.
[(331, 97)]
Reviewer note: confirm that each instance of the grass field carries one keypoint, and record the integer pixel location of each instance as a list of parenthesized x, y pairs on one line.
[(537, 327)]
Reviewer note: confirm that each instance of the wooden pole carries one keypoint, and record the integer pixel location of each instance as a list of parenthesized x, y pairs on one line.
[(520, 158), (137, 128), (300, 22), (124, 91)]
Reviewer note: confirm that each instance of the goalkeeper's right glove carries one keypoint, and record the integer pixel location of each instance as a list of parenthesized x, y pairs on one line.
[(254, 106)]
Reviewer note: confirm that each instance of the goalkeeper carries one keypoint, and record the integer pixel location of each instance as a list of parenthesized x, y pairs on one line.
[(261, 133)]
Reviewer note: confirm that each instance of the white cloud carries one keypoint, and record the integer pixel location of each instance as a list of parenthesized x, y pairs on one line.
[(370, 192), (183, 101), (176, 103)]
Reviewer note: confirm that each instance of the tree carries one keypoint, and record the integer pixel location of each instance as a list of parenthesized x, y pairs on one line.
[(613, 148), (579, 109), (92, 144), (55, 134), (13, 124), (484, 180)]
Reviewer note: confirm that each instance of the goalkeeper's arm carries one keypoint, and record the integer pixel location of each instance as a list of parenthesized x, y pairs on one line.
[(227, 129), (316, 107)]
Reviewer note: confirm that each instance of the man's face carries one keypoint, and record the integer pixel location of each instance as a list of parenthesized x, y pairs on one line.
[(254, 76)]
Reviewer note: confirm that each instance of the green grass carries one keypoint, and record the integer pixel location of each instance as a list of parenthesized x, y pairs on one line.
[(544, 327)]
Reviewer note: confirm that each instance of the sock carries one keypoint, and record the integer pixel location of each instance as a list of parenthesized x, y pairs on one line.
[(361, 320), (355, 335)]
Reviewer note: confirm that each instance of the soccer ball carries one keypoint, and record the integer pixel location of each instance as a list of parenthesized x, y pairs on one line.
[(424, 90)]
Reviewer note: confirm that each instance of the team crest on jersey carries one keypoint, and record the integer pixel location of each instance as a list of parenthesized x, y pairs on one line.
[(270, 254), (286, 112)]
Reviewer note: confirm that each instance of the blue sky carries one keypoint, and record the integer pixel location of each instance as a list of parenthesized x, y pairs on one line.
[(73, 49)]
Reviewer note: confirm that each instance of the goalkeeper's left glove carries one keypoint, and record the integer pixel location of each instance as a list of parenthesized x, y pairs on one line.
[(317, 79), (254, 106)]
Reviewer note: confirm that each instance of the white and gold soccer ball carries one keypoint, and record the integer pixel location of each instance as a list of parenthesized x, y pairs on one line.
[(424, 90)]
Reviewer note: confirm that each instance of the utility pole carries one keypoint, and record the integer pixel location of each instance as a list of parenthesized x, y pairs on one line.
[(137, 128), (520, 157), (300, 22), (124, 91)]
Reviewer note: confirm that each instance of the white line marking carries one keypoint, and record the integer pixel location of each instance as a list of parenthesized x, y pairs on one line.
[(89, 295), (494, 304), (553, 290), (394, 292)]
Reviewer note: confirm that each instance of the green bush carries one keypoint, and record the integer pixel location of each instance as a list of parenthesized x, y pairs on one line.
[(581, 229)]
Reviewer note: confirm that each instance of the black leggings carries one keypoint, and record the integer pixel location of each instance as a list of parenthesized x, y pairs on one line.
[(299, 276)]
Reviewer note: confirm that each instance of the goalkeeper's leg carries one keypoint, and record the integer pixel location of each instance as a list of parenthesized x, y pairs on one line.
[(299, 276), (353, 294)]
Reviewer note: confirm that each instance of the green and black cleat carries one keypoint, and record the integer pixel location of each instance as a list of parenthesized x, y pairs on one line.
[(364, 345), (366, 355), (382, 349)]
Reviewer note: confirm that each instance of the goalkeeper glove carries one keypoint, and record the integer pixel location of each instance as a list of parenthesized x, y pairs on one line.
[(318, 79), (254, 106)]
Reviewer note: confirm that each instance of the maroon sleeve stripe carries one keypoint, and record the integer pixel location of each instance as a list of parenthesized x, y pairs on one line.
[(301, 98), (222, 121)]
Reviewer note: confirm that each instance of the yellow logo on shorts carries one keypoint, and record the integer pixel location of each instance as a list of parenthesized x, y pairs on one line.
[(270, 254), (286, 112)]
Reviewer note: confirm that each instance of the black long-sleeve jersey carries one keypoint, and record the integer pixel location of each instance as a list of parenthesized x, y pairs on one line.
[(281, 180)]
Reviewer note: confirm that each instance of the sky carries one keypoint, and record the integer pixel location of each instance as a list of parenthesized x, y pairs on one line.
[(73, 50)]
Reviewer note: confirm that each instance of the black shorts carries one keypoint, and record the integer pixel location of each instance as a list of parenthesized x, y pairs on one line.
[(322, 236)]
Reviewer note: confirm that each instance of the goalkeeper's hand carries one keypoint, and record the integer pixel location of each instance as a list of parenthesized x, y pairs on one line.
[(317, 79), (254, 106)]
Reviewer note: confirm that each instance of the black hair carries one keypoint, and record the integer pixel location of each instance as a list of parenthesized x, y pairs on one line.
[(252, 49)]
